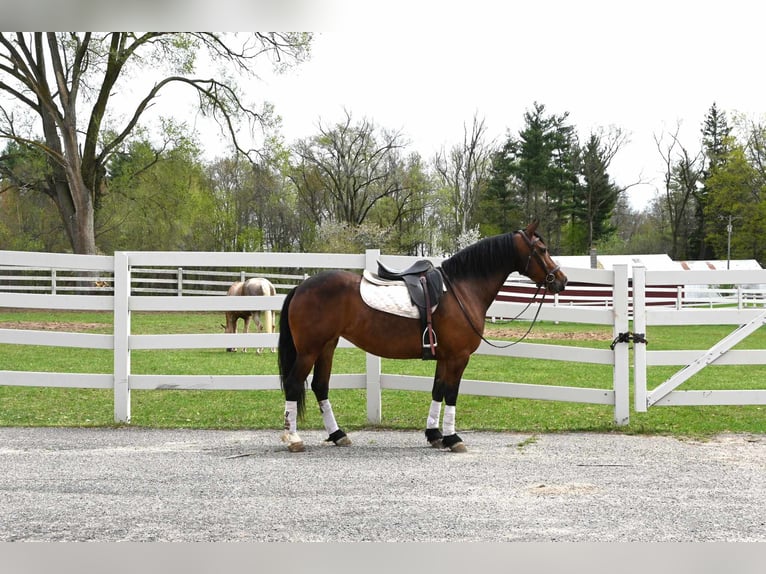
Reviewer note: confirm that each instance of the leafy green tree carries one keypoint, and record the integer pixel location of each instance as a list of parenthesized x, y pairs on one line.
[(28, 221), (736, 197), (158, 200), (66, 83)]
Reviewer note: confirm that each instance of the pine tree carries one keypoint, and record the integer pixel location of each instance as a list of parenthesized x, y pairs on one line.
[(716, 147)]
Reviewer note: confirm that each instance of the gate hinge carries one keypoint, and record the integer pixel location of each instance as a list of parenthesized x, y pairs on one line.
[(628, 337)]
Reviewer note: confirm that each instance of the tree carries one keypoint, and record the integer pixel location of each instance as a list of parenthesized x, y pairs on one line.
[(716, 145), (464, 174), (501, 206), (64, 84), (344, 171), (735, 197), (406, 211), (596, 197), (682, 179), (536, 171), (158, 200)]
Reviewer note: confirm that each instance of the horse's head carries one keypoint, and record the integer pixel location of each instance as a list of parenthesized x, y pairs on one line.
[(539, 267)]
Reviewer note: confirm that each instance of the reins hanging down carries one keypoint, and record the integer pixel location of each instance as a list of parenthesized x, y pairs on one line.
[(451, 287)]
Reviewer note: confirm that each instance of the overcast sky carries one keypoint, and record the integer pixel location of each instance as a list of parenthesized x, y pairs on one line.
[(427, 67)]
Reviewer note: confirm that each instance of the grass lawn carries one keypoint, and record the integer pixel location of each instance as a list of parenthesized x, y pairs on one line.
[(40, 406)]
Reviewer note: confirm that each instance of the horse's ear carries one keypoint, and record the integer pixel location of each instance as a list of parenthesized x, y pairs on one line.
[(532, 227)]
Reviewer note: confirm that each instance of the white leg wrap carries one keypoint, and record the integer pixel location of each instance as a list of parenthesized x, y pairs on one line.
[(291, 417), (448, 427), (290, 436), (433, 415), (328, 417)]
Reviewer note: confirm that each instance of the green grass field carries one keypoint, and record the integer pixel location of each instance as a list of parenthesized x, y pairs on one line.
[(40, 406)]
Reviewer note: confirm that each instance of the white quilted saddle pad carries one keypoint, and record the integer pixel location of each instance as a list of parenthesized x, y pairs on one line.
[(387, 296)]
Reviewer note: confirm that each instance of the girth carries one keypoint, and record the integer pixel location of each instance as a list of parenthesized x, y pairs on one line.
[(425, 285)]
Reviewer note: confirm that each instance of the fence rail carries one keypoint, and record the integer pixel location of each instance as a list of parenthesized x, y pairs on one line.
[(121, 291)]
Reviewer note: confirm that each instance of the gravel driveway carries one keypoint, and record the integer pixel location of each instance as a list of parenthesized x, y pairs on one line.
[(130, 484)]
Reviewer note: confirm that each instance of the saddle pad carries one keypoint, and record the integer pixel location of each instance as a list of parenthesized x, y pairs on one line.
[(387, 296)]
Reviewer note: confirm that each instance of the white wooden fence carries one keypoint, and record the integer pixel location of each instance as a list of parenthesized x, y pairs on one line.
[(124, 298)]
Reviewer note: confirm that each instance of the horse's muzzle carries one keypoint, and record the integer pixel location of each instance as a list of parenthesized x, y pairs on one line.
[(555, 281)]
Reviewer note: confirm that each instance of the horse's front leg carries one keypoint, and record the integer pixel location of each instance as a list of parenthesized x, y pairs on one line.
[(320, 384), (445, 388)]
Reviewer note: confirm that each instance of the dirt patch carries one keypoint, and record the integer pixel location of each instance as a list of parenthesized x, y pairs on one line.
[(70, 327), (517, 333)]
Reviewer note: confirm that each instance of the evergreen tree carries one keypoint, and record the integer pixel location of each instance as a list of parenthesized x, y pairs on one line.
[(598, 193), (535, 171), (716, 145)]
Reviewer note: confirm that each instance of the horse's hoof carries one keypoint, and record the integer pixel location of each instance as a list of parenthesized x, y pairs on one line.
[(345, 441), (339, 438), (436, 443), (294, 442), (454, 443), (296, 446)]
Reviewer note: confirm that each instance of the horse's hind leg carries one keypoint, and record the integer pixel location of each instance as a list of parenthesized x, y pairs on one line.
[(320, 384), (245, 329), (258, 326), (294, 391)]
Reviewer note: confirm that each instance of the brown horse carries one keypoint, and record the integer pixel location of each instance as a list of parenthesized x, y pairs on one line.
[(328, 306), (251, 287)]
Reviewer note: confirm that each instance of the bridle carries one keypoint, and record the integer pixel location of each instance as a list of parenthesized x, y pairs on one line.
[(550, 274)]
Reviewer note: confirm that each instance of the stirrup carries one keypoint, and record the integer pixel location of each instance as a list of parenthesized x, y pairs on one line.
[(425, 341)]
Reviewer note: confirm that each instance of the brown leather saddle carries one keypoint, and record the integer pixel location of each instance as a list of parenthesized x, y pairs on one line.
[(425, 285)]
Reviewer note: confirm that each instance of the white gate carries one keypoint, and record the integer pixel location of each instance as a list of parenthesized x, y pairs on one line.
[(747, 320)]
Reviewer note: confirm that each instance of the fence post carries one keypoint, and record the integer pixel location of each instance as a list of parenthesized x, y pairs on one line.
[(374, 400), (639, 326), (121, 337), (53, 281), (621, 377), (180, 281)]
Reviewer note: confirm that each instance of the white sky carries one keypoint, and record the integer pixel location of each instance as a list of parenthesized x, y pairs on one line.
[(427, 67)]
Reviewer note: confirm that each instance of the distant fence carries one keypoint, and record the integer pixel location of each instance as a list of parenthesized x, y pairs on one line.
[(206, 281), (127, 282)]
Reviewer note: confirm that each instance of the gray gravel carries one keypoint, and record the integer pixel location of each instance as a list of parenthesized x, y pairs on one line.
[(131, 484)]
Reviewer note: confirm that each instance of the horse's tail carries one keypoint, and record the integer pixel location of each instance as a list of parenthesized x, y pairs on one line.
[(288, 354)]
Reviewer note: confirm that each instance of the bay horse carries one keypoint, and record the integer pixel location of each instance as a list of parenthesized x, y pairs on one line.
[(254, 286), (327, 306)]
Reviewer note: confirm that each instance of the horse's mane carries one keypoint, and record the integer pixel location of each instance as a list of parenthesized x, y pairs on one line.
[(482, 258)]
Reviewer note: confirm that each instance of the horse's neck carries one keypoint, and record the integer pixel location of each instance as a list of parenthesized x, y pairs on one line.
[(485, 292)]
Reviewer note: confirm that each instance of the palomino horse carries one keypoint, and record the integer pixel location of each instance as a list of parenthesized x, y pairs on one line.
[(254, 286), (327, 306)]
